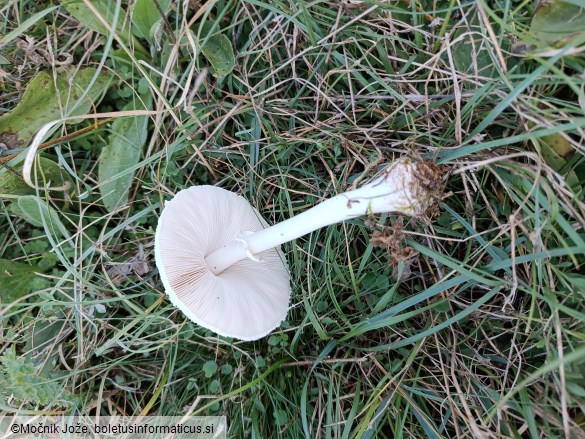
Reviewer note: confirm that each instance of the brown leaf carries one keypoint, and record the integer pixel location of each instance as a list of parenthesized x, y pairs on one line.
[(133, 266)]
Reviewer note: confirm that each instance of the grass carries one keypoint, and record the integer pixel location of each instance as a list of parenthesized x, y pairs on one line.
[(476, 331)]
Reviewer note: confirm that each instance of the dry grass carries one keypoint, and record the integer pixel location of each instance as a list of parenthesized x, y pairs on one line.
[(481, 336)]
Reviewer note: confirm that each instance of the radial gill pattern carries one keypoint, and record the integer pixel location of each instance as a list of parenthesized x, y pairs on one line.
[(248, 299)]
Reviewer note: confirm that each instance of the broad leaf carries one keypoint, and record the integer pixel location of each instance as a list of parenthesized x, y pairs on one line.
[(218, 51), (43, 332), (556, 22), (17, 280), (145, 16), (37, 212), (48, 98), (12, 183), (471, 53), (121, 153), (106, 8)]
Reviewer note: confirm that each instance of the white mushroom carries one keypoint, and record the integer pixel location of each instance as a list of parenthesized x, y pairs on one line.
[(222, 266), (247, 300)]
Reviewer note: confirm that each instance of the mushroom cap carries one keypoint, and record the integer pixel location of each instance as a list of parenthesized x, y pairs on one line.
[(248, 299)]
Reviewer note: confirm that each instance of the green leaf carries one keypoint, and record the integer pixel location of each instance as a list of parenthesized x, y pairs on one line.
[(20, 380), (218, 51), (37, 212), (44, 330), (48, 98), (441, 306), (106, 8), (375, 282), (273, 340), (556, 22), (48, 260), (210, 368), (11, 182), (119, 156), (214, 386), (280, 417), (17, 280), (470, 47), (145, 16)]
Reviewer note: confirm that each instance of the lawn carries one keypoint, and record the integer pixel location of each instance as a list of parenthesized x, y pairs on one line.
[(465, 321)]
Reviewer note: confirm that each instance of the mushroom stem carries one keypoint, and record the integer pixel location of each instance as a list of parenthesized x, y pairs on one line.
[(397, 190)]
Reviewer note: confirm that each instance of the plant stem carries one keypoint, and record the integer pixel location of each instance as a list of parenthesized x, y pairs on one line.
[(395, 191)]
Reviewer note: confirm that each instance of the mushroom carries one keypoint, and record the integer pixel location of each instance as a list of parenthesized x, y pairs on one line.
[(221, 263)]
